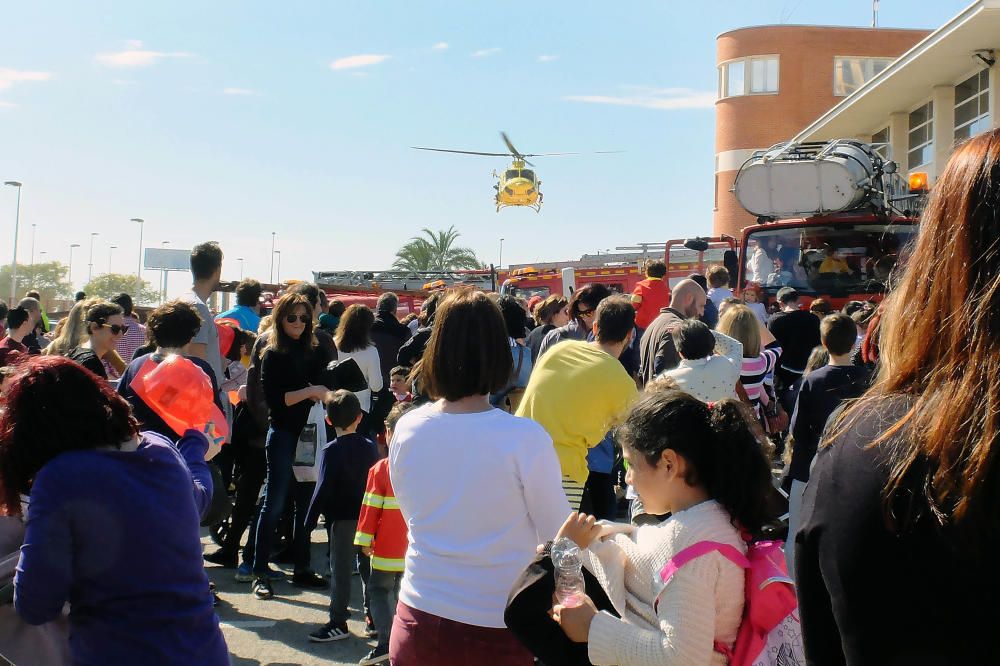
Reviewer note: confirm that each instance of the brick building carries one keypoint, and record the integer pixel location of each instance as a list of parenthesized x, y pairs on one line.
[(776, 80)]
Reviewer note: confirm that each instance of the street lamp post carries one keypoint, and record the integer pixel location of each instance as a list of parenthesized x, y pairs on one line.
[(273, 234), (240, 259), (278, 252), (111, 252), (90, 266), (32, 279), (138, 271), (17, 226), (70, 275), (163, 277)]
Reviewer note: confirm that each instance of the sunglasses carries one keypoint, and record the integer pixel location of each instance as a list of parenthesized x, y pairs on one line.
[(585, 313), (305, 319), (115, 328)]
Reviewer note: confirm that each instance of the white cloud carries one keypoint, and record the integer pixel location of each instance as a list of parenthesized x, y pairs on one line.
[(238, 91), (440, 46), (7, 105), (662, 99), (352, 62), (483, 53), (547, 58), (136, 56), (9, 77)]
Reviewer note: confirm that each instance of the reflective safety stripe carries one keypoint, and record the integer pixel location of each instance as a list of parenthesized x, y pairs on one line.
[(387, 564), (371, 499), (363, 539), (380, 502)]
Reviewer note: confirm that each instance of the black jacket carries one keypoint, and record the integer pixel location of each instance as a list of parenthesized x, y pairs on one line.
[(413, 349), (388, 335), (656, 348), (868, 595)]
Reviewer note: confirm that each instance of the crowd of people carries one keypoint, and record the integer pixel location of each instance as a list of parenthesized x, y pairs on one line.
[(445, 453)]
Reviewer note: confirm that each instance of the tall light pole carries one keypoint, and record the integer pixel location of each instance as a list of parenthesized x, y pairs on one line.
[(240, 259), (17, 226), (278, 252), (500, 260), (163, 277), (70, 276), (90, 266), (111, 252), (273, 234), (33, 225), (138, 271)]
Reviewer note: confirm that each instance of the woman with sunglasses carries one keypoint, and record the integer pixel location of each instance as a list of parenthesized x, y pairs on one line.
[(105, 325), (290, 374), (582, 306)]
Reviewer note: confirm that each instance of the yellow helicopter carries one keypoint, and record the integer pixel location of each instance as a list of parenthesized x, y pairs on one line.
[(517, 185)]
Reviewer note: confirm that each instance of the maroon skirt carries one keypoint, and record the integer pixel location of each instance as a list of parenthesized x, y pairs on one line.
[(422, 639)]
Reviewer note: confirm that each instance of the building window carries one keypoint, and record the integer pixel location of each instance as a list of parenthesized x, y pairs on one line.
[(921, 137), (749, 76), (882, 142), (972, 106), (849, 74), (735, 79)]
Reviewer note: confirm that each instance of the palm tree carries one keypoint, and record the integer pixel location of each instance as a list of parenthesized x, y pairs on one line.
[(435, 251)]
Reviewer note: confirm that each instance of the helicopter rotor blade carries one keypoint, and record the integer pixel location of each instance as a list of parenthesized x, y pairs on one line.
[(510, 146), (596, 152), (460, 152)]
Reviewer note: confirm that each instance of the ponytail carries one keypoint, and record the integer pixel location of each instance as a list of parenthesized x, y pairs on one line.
[(741, 479), (723, 450)]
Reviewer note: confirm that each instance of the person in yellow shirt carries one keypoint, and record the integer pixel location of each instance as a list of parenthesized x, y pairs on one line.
[(834, 262), (579, 390)]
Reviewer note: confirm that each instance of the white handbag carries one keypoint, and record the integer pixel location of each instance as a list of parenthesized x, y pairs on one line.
[(312, 438)]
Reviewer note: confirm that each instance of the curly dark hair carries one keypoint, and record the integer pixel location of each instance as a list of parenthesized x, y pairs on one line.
[(173, 324), (724, 452), (54, 405)]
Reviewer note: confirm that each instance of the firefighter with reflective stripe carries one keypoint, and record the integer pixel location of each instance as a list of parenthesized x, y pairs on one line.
[(651, 295), (383, 536)]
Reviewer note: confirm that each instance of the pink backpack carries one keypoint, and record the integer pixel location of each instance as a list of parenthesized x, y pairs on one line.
[(769, 634)]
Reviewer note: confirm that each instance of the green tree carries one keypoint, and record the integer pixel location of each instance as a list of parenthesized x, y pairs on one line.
[(435, 251), (111, 284), (48, 279)]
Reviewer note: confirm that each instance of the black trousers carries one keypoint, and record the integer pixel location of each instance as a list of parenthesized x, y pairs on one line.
[(251, 468), (599, 496)]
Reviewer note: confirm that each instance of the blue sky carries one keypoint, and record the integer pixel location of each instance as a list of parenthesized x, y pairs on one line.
[(229, 120)]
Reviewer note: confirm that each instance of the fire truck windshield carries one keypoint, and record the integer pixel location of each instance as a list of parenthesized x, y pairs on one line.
[(835, 259), (526, 292)]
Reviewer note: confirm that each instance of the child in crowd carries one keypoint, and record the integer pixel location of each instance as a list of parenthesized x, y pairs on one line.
[(822, 391), (398, 384), (704, 465), (751, 297), (343, 468), (718, 280), (382, 536)]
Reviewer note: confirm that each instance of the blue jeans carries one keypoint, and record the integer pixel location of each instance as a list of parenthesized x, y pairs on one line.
[(280, 452)]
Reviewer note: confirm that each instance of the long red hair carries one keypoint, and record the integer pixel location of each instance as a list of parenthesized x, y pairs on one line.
[(939, 348)]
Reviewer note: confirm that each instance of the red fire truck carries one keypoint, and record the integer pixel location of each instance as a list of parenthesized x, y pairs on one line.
[(834, 219)]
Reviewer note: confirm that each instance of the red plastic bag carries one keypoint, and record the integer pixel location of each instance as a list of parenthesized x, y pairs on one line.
[(181, 394)]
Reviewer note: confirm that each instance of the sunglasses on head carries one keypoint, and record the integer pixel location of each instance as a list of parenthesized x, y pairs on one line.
[(291, 319), (115, 328)]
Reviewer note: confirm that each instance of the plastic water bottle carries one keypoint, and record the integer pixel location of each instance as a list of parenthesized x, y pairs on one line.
[(570, 586)]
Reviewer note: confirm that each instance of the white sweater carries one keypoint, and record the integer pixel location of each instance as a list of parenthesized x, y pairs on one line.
[(368, 360), (478, 492), (702, 603)]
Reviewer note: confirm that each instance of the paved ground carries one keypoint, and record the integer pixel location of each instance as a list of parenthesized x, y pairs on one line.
[(275, 632)]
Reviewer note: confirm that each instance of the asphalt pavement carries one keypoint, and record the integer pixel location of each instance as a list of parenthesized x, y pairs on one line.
[(275, 632)]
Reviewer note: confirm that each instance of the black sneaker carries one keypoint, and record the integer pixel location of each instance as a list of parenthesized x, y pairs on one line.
[(330, 632), (309, 579), (380, 655), (261, 588), (222, 557)]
